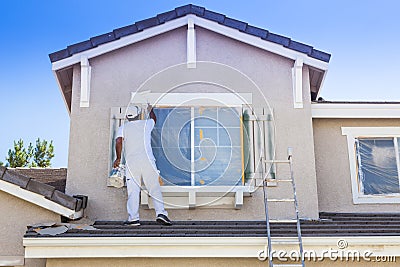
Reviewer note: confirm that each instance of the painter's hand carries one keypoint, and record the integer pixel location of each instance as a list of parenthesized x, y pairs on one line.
[(149, 108), (116, 163)]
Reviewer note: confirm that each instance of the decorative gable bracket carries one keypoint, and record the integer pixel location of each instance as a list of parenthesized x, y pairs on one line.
[(85, 82), (297, 74), (191, 45)]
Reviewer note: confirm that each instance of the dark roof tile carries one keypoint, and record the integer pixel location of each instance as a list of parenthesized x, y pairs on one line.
[(64, 200), (183, 10), (52, 176), (40, 188), (56, 56), (279, 39), (124, 31), (256, 31), (236, 24), (102, 39), (197, 10), (166, 16), (79, 47), (40, 181), (306, 49), (320, 55), (146, 23), (214, 16), (13, 177), (2, 171)]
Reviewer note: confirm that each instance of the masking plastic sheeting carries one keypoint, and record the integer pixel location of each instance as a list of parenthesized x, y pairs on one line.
[(217, 146), (377, 166), (171, 145)]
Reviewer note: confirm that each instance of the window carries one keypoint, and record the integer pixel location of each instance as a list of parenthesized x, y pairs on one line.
[(199, 146), (374, 163), (200, 143)]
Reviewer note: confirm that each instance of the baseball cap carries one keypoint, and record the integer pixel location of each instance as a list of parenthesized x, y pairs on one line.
[(133, 111)]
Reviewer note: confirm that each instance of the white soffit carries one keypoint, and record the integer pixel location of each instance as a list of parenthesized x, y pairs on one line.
[(356, 110), (179, 22), (180, 247)]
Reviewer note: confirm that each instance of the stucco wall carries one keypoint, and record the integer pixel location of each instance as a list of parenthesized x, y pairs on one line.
[(333, 169), (242, 262), (115, 75), (16, 214)]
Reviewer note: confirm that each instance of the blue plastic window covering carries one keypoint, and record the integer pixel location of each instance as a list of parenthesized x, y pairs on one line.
[(217, 145), (377, 166)]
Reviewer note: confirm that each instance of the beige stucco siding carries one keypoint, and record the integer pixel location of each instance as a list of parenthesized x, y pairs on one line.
[(333, 169), (16, 214), (115, 75)]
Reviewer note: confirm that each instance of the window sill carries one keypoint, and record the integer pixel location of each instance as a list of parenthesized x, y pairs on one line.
[(191, 197), (387, 199)]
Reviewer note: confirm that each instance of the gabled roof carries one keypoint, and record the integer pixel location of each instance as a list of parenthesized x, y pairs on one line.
[(41, 194), (183, 11)]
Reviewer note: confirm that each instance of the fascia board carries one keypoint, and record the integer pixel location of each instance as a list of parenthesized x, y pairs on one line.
[(355, 110), (38, 200), (156, 247)]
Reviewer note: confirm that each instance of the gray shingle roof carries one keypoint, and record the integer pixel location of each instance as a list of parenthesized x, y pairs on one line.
[(33, 184), (56, 177), (330, 224), (183, 11)]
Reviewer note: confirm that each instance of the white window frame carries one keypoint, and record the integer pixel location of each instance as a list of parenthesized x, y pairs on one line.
[(352, 134)]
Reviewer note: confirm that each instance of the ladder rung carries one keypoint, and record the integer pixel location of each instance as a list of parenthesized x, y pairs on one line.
[(283, 221), (279, 180), (281, 199), (276, 161), (286, 242)]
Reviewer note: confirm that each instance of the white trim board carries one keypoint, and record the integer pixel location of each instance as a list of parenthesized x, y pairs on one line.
[(352, 133), (183, 21), (193, 99), (12, 260), (333, 110), (39, 200), (181, 247)]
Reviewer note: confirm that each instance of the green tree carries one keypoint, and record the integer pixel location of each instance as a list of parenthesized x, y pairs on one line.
[(19, 156), (42, 153), (38, 156)]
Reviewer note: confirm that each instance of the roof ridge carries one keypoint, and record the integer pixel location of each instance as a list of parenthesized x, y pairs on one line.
[(181, 11)]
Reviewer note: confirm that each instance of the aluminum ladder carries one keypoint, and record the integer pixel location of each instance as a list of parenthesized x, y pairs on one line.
[(299, 240)]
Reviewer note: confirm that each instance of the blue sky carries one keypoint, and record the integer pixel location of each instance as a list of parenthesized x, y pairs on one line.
[(362, 36)]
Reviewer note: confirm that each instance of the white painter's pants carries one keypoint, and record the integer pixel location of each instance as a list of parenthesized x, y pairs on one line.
[(147, 170)]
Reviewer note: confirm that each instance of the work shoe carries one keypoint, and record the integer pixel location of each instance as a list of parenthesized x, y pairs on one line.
[(163, 219), (132, 223)]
